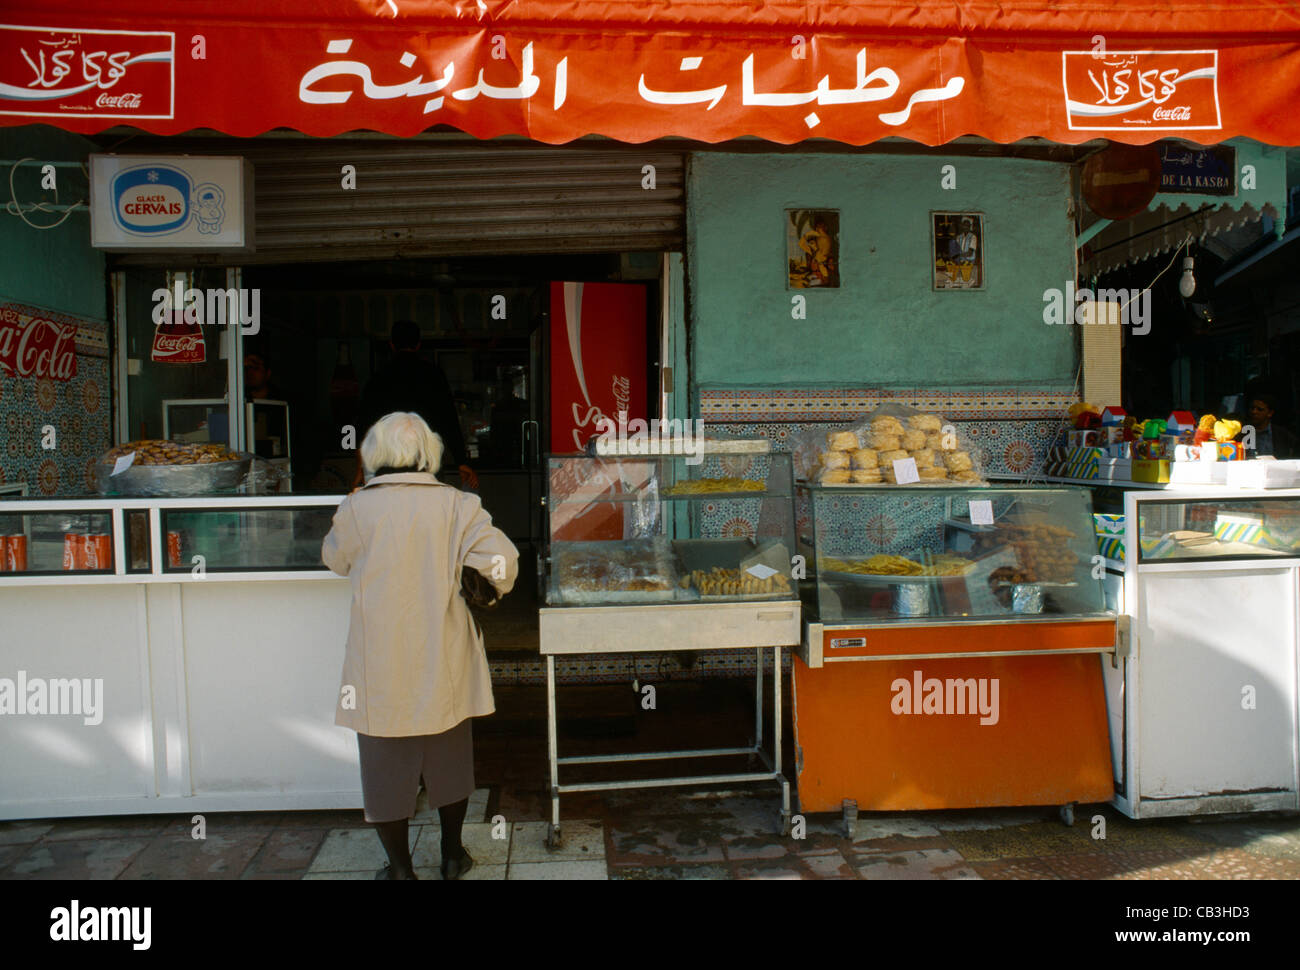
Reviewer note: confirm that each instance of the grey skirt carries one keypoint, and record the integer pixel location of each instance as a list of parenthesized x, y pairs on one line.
[(391, 769)]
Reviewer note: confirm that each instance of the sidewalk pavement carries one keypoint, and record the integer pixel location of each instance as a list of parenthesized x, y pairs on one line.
[(664, 834)]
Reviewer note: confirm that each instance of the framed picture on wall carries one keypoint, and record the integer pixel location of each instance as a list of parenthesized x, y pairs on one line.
[(958, 250), (812, 243)]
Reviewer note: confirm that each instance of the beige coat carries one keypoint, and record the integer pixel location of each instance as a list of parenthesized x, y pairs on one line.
[(413, 656)]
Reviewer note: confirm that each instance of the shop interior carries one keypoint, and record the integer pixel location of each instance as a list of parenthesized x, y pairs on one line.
[(322, 334)]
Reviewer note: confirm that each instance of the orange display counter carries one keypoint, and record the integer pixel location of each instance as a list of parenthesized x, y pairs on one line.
[(953, 715)]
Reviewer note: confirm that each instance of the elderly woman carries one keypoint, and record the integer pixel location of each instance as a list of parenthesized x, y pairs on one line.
[(415, 671)]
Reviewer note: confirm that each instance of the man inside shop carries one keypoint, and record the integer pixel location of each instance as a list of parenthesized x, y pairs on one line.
[(409, 383), (1270, 437)]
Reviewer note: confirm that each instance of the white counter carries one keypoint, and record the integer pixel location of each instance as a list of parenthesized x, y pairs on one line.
[(218, 690)]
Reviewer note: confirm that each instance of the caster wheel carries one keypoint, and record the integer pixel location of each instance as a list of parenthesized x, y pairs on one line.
[(1067, 814), (554, 839), (850, 811)]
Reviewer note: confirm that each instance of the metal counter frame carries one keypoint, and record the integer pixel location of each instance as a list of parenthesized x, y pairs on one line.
[(754, 625)]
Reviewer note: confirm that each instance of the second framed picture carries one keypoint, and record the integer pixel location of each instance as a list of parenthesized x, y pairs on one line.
[(958, 250)]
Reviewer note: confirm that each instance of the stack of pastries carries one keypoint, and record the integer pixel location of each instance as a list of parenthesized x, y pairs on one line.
[(867, 458)]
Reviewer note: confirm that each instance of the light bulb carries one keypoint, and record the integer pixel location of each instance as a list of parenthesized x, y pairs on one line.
[(1187, 285)]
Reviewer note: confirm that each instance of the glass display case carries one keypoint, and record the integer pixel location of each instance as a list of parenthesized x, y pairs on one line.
[(879, 553), (662, 530), (116, 539), (1218, 529)]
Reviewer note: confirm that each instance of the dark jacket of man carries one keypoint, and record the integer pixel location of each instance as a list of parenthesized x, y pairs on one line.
[(408, 383)]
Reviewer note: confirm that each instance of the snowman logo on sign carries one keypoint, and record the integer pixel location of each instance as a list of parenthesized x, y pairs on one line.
[(209, 207)]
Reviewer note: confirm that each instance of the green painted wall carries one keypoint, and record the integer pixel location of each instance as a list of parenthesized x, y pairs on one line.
[(885, 325), (52, 268)]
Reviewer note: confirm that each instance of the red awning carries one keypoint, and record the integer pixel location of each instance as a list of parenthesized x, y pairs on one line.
[(555, 70)]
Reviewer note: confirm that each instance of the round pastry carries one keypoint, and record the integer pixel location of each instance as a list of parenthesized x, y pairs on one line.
[(886, 425), (924, 457), (835, 459), (912, 440), (924, 422), (865, 458), (884, 442), (966, 476), (887, 458), (957, 461), (842, 441), (936, 441), (834, 476), (867, 476), (932, 474)]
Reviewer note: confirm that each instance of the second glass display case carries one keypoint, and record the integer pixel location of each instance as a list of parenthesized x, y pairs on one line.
[(884, 553), (661, 530)]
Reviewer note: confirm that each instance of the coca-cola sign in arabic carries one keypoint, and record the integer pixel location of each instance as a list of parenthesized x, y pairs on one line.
[(1151, 90), (48, 73), (36, 347)]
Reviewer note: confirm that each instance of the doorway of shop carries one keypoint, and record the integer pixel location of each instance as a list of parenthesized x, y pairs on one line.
[(485, 323)]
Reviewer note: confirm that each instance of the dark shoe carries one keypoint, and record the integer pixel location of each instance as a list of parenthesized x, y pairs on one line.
[(387, 873), (455, 868)]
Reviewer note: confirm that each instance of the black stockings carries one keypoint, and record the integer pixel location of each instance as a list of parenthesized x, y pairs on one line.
[(395, 837)]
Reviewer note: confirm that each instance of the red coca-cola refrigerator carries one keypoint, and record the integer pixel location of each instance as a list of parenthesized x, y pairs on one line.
[(598, 367)]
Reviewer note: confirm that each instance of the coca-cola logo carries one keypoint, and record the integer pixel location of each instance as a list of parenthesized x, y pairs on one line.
[(178, 343), (37, 348), (1109, 90), (129, 100), (49, 70)]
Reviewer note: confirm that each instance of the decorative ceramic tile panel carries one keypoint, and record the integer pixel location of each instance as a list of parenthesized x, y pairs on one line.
[(798, 404), (79, 410)]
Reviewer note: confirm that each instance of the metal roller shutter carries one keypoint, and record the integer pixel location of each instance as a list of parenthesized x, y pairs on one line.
[(442, 197)]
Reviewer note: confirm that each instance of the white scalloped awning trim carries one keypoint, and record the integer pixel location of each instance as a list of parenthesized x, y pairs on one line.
[(1130, 241)]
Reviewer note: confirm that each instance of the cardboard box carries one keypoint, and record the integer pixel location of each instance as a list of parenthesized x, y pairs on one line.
[(1263, 473), (1192, 472), (1112, 547), (1239, 527), (1115, 470), (1083, 439), (1083, 463), (1108, 524), (1152, 471), (1231, 451)]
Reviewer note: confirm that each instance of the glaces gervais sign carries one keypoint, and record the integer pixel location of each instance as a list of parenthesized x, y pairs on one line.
[(170, 202)]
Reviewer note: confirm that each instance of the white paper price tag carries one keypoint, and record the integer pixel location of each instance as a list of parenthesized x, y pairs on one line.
[(122, 464), (981, 512), (760, 571), (905, 471)]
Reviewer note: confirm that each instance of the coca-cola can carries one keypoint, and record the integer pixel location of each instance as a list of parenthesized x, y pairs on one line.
[(99, 551), (74, 551), (173, 548), (15, 553)]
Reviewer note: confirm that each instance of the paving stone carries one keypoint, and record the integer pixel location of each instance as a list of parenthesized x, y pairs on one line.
[(830, 866), (913, 864), (1018, 869), (362, 874), (1278, 840), (756, 847), (563, 869), (581, 840), (667, 841), (477, 839), (478, 805), (235, 824), (182, 857), (877, 827), (90, 859), (287, 850), (22, 833), (352, 850), (987, 819), (480, 873), (1112, 865), (1022, 842), (669, 872), (1239, 864), (782, 869), (108, 827)]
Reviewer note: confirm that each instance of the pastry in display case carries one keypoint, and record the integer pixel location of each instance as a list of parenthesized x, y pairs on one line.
[(893, 445), (664, 530), (879, 554)]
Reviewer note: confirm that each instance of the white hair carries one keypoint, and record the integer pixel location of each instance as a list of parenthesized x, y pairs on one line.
[(401, 440)]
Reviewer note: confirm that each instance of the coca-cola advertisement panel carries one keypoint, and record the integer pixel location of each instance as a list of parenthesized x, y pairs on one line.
[(51, 73)]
